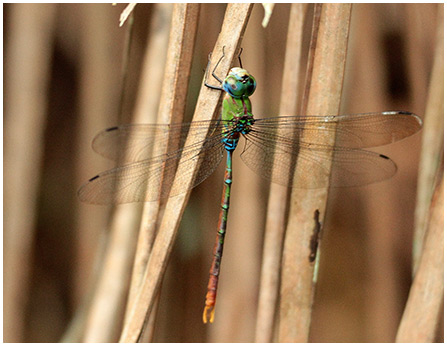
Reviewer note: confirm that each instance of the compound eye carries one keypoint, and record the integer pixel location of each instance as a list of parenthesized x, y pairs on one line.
[(250, 86), (234, 87), (239, 83)]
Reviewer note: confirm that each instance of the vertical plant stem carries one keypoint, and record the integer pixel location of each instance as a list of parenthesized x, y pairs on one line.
[(311, 56), (98, 56), (126, 59), (324, 98), (432, 142), (172, 107), (100, 45), (424, 308), (276, 210), (152, 71), (234, 25), (104, 316), (28, 61), (146, 107)]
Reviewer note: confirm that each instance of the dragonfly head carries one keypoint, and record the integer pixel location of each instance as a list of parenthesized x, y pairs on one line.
[(239, 83)]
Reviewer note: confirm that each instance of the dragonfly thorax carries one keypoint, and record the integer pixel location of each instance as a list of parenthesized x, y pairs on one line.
[(233, 108), (243, 124), (234, 128)]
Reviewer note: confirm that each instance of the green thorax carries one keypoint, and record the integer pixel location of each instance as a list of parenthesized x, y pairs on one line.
[(235, 107)]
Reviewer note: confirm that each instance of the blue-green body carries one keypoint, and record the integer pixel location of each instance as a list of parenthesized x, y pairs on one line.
[(238, 118)]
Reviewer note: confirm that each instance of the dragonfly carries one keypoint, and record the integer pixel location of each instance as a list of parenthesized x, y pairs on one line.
[(275, 148)]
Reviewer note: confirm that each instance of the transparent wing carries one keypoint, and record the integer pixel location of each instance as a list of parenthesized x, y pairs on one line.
[(136, 142), (351, 131), (350, 167), (151, 179), (280, 142)]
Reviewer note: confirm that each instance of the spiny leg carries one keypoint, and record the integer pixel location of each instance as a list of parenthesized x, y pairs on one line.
[(213, 73), (239, 57)]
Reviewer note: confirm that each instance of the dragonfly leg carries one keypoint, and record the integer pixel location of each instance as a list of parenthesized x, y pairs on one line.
[(239, 57), (213, 73)]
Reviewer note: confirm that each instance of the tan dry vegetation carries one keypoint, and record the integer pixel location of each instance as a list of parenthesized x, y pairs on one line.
[(77, 272)]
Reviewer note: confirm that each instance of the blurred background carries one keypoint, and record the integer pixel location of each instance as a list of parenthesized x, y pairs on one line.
[(63, 83)]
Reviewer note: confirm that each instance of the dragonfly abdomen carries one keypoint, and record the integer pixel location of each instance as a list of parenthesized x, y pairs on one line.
[(210, 300), (230, 143)]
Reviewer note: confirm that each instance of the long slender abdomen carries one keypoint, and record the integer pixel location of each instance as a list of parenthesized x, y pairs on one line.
[(210, 301)]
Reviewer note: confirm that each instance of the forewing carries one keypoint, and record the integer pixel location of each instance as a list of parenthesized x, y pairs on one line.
[(138, 142), (350, 131)]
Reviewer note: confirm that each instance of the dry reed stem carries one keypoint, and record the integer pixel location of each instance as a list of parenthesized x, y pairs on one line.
[(126, 13), (108, 303), (152, 70), (235, 21), (105, 313), (311, 56), (146, 109), (99, 48), (121, 249), (432, 142), (97, 59), (379, 208), (172, 107), (268, 10), (418, 37), (27, 77), (324, 98), (276, 210), (424, 309)]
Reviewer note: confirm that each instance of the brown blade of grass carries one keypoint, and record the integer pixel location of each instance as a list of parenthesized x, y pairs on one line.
[(146, 109), (127, 217), (420, 321), (432, 143), (297, 287), (96, 108), (235, 21), (126, 13), (152, 71), (424, 309), (172, 108), (97, 57), (105, 311), (276, 210), (100, 46), (311, 56), (418, 34), (28, 61)]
